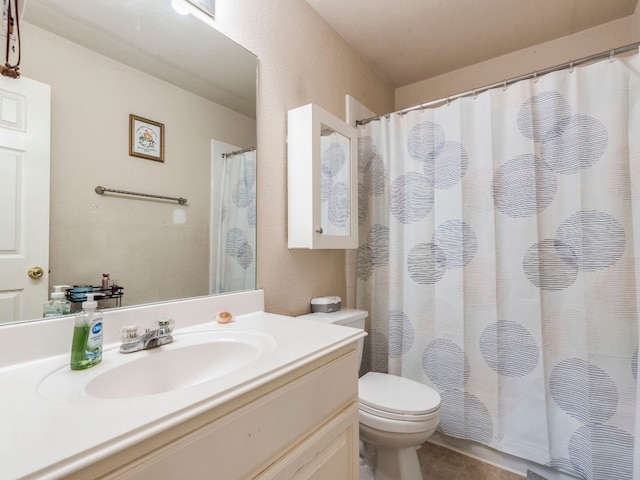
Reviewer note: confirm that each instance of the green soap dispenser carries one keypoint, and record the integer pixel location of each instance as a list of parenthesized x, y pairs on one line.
[(86, 347)]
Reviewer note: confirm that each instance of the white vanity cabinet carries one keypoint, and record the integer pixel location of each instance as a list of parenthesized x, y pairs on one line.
[(322, 175), (301, 425)]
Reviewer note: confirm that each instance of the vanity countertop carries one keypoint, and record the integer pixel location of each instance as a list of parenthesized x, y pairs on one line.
[(46, 439)]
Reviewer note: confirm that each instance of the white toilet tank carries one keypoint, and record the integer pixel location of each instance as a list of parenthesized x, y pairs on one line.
[(348, 317)]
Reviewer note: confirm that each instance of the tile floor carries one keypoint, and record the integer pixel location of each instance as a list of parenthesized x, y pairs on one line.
[(439, 463)]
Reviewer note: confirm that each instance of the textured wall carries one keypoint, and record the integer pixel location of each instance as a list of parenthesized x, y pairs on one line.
[(301, 60), (587, 42)]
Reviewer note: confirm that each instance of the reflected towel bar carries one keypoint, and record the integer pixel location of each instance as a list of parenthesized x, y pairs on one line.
[(101, 190), (238, 152)]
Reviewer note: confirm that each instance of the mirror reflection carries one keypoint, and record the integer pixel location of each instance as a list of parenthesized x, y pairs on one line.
[(334, 206), (105, 61)]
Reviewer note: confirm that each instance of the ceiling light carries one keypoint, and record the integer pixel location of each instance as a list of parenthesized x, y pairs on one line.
[(202, 10)]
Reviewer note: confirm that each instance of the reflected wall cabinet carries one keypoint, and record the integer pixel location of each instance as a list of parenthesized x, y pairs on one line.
[(322, 170)]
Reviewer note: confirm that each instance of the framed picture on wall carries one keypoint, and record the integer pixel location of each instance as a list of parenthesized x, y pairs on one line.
[(146, 138)]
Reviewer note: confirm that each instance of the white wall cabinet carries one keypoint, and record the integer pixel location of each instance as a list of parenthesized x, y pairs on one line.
[(322, 170), (303, 425)]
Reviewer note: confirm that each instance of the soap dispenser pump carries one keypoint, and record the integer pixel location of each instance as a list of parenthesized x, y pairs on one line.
[(86, 347)]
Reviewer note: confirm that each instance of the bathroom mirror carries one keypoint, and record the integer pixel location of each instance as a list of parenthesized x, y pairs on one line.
[(105, 61)]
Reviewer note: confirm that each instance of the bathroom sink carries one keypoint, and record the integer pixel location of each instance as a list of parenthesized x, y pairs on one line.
[(193, 358)]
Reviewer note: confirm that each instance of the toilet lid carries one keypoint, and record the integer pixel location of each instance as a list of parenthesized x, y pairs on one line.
[(393, 394)]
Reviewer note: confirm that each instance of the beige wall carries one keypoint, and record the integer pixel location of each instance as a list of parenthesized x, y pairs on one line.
[(587, 42), (156, 250), (301, 60)]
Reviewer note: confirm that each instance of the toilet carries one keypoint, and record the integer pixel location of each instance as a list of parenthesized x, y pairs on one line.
[(396, 414)]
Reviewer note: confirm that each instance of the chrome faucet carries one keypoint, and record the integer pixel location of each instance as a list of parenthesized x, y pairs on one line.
[(134, 339)]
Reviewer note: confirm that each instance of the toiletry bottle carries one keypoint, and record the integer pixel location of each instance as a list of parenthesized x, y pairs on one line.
[(86, 347), (61, 305), (48, 310), (57, 305), (105, 282)]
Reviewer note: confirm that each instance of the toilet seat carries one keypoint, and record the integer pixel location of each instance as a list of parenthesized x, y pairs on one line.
[(401, 417), (392, 426), (396, 398), (397, 405)]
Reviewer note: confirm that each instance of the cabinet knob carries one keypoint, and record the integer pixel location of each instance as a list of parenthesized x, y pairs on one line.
[(319, 230)]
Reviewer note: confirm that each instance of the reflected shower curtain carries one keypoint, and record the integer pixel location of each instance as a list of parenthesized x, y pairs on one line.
[(334, 192), (235, 265), (497, 260)]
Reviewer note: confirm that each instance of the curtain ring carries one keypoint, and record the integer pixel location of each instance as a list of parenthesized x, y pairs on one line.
[(611, 53), (535, 77), (474, 94), (504, 85), (448, 101), (571, 67)]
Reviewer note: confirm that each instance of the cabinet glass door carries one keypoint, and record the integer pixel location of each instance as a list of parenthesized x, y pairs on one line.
[(335, 177)]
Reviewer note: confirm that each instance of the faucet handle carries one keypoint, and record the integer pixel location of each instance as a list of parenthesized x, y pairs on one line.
[(130, 333), (166, 324)]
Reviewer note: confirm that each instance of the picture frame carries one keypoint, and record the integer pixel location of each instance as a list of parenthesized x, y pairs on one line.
[(146, 138)]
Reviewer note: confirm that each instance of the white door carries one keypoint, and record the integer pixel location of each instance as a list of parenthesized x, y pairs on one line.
[(25, 117)]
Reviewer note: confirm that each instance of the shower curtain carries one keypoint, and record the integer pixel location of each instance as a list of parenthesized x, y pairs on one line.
[(236, 242), (497, 260)]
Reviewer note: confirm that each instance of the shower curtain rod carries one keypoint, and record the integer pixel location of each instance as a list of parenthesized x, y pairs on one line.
[(238, 152), (609, 53)]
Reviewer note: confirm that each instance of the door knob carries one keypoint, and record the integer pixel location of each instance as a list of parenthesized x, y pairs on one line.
[(35, 273)]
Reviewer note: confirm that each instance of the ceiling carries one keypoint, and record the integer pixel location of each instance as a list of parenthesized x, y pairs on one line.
[(411, 40)]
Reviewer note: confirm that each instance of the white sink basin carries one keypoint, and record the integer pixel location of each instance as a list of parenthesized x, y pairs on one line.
[(192, 358)]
